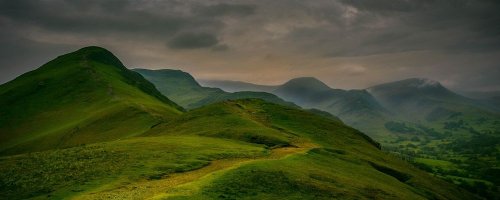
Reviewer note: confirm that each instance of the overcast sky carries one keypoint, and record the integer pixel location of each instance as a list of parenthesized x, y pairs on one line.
[(345, 43)]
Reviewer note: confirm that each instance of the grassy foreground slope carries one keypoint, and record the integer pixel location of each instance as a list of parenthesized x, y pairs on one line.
[(84, 127), (81, 97), (73, 172), (183, 89), (240, 149), (340, 161)]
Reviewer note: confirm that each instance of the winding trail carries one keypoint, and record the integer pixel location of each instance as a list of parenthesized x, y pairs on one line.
[(152, 189)]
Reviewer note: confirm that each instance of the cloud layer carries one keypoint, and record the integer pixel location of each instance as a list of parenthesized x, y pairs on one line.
[(346, 43)]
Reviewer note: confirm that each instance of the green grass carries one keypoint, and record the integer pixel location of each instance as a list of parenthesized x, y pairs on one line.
[(348, 166), (345, 163), (83, 126), (308, 176), (436, 163), (82, 97), (67, 172)]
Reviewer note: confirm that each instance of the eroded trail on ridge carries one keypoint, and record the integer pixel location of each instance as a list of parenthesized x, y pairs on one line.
[(148, 189)]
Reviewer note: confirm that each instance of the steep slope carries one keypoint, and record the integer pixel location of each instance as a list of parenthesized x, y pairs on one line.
[(81, 97), (183, 89)]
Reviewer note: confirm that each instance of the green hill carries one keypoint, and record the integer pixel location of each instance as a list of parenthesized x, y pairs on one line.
[(354, 107), (417, 119), (81, 97), (84, 127), (248, 149), (183, 89)]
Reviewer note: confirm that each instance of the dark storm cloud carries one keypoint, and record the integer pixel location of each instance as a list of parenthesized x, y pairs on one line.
[(392, 26), (327, 37), (192, 41), (223, 9), (453, 25), (104, 17), (97, 17)]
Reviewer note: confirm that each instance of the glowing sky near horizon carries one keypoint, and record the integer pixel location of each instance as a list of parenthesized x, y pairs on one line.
[(345, 43)]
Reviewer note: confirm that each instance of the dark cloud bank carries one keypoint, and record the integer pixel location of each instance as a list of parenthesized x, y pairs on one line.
[(346, 43)]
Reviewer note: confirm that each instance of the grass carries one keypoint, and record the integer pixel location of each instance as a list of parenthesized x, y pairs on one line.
[(67, 172), (111, 134), (298, 155), (346, 155), (436, 163), (83, 97)]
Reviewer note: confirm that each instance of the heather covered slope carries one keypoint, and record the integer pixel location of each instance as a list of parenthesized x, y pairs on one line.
[(81, 97), (183, 89)]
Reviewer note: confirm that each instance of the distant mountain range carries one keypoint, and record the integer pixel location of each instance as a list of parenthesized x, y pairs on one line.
[(83, 122), (445, 133), (184, 90), (414, 100), (83, 126)]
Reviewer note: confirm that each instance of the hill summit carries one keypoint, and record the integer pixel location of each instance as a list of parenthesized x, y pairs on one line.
[(80, 97), (306, 84)]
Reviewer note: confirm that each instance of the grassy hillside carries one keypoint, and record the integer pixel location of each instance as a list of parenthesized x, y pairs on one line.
[(240, 149), (432, 125), (354, 107), (81, 97), (183, 89), (418, 120)]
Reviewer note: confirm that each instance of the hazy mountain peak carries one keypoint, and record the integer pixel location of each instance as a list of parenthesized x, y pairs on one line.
[(423, 83), (411, 83), (309, 83)]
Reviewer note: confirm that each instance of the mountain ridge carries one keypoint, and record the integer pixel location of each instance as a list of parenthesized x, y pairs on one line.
[(84, 126), (77, 89), (185, 90)]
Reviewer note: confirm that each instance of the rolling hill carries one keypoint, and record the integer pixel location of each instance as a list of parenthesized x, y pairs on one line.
[(81, 97), (440, 131), (229, 150), (85, 127), (183, 89), (354, 107)]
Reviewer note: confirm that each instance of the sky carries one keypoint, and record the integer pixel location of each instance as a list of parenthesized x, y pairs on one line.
[(349, 44)]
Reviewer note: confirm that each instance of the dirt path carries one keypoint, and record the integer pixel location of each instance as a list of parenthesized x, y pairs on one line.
[(147, 189)]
